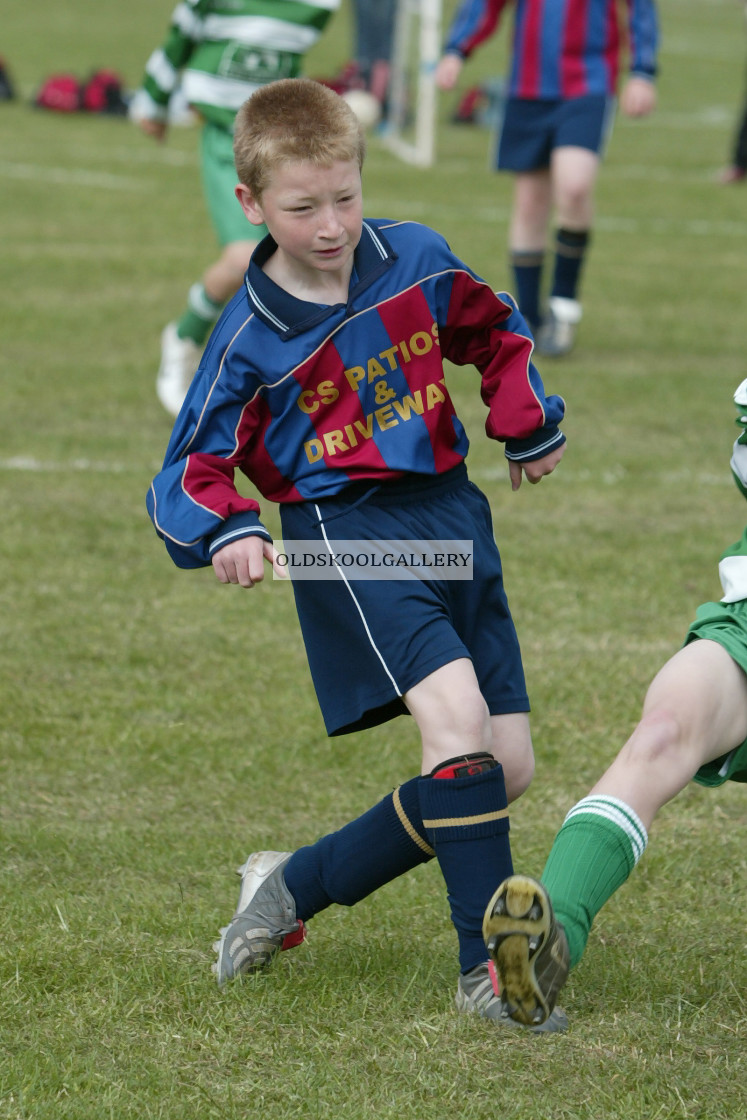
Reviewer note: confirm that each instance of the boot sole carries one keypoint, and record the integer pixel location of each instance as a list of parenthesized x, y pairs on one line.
[(516, 925)]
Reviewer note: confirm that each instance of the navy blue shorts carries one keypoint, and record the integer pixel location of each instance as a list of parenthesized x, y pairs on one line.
[(369, 641), (529, 131)]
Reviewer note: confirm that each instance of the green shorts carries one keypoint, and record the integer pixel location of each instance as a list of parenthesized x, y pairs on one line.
[(219, 180), (725, 623)]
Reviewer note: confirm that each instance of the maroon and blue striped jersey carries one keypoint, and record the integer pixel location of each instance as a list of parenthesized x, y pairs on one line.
[(563, 48), (305, 399)]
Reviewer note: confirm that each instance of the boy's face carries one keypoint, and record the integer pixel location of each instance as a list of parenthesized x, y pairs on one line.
[(315, 214)]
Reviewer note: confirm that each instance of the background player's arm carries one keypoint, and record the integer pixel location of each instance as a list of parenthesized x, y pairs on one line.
[(638, 96), (149, 107)]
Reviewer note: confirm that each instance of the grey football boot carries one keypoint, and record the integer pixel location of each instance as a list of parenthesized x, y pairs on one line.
[(265, 920), (478, 994), (529, 948)]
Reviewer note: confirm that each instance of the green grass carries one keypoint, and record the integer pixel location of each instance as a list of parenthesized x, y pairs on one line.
[(155, 726)]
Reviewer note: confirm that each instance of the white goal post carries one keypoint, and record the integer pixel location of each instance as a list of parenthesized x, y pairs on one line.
[(410, 127)]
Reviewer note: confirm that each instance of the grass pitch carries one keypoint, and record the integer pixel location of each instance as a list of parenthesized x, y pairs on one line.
[(156, 726)]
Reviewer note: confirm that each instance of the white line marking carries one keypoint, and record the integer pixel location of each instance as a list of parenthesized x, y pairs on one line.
[(78, 177), (82, 176), (27, 464)]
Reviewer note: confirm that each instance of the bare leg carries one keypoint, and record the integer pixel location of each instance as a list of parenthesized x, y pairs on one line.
[(695, 710), (223, 278), (574, 175), (453, 719), (530, 215)]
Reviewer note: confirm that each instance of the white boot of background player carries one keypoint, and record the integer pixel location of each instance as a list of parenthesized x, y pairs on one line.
[(180, 358), (557, 334)]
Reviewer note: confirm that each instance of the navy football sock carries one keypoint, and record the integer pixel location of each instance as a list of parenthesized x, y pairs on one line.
[(347, 865), (527, 269), (466, 820), (570, 250)]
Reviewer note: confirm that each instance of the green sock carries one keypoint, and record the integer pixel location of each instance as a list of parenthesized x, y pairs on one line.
[(597, 847), (200, 315)]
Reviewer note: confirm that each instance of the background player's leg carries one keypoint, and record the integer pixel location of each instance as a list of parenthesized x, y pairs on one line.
[(574, 173), (695, 710), (527, 239)]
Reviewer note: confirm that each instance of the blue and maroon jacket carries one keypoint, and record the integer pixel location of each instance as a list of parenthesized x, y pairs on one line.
[(563, 48), (304, 399)]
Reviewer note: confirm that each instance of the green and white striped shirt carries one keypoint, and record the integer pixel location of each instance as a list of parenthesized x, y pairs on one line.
[(221, 51)]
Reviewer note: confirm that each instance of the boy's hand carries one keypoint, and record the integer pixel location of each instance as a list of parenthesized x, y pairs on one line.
[(156, 129), (448, 70), (638, 97), (141, 112), (242, 561), (535, 470)]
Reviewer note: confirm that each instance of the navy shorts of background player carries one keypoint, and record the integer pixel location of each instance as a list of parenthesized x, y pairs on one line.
[(529, 130)]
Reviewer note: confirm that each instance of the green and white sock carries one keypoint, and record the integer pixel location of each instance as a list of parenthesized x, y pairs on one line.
[(199, 317), (597, 847)]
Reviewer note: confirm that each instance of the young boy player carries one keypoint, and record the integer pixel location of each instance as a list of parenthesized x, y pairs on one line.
[(323, 382)]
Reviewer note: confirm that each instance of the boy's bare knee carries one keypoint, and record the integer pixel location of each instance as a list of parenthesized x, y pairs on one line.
[(657, 738), (512, 747), (518, 771), (574, 204), (471, 717), (450, 712)]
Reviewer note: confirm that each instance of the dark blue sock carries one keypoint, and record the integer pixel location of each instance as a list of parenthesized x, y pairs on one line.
[(466, 820), (570, 249), (527, 269), (347, 865)]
